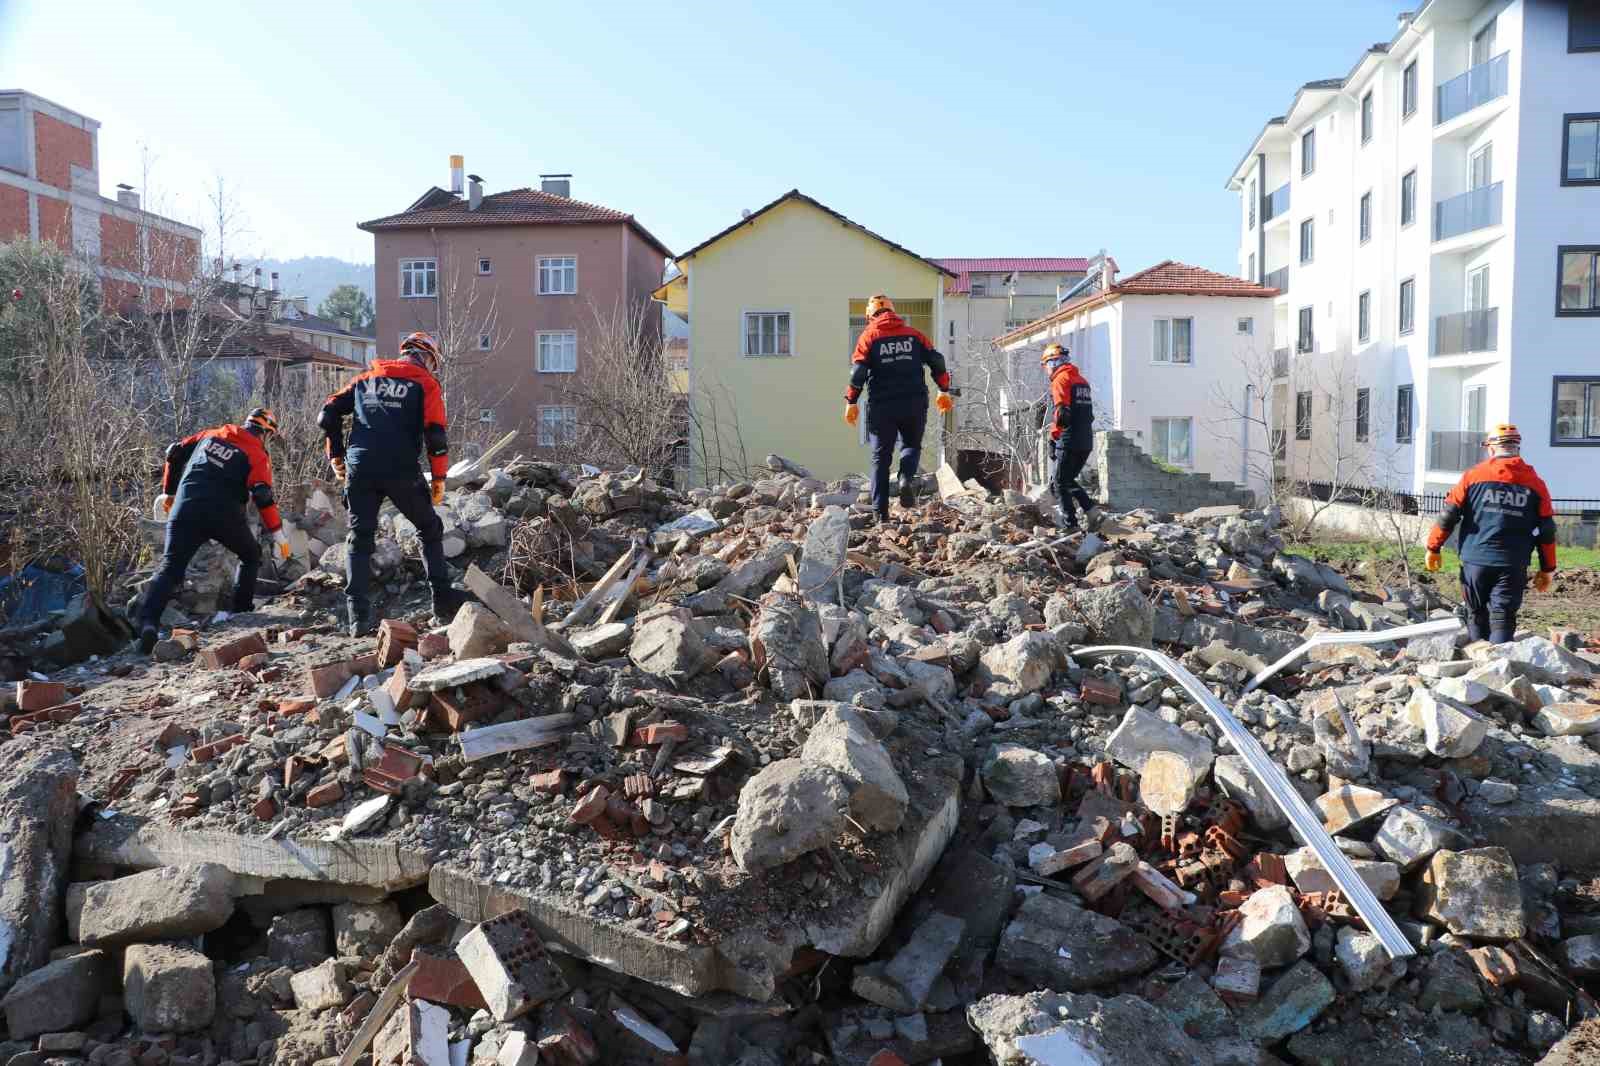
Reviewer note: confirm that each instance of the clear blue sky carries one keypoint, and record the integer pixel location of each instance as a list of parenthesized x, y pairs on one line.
[(955, 128)]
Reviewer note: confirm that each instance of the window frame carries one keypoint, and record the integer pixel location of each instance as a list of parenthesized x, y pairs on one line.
[(1574, 49), (541, 423), (1566, 147), (1591, 399), (485, 342), (1171, 335), (1247, 321), (1187, 465), (1308, 160), (1364, 316), (1410, 90), (1363, 415), (1404, 413), (1408, 198), (744, 333), (1367, 116), (1408, 288), (1308, 240), (485, 266), (1364, 218), (1593, 251), (539, 275), (1303, 423), (539, 339), (1250, 272), (1305, 338), (408, 267)]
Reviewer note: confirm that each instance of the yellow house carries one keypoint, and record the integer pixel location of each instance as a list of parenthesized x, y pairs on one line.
[(775, 303)]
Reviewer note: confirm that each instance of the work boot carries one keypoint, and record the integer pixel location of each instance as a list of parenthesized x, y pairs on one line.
[(446, 602), (359, 618), (908, 492), (147, 639), (1066, 521)]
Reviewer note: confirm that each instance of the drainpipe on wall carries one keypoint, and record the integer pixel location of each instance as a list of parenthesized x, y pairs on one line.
[(1244, 443)]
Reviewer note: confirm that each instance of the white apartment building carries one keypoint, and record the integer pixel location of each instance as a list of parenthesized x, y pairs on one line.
[(1432, 223)]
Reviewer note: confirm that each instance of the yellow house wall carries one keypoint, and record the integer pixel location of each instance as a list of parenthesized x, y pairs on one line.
[(797, 259)]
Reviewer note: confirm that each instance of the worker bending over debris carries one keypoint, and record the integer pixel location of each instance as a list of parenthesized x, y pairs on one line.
[(888, 362), (1071, 434), (1504, 510), (204, 485), (396, 407)]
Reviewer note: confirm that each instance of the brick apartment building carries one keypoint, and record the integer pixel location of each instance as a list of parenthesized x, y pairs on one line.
[(50, 191), (512, 281)]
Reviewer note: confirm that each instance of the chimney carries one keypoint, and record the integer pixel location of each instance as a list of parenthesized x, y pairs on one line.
[(457, 167), (1403, 21), (257, 281), (556, 184), (474, 192), (274, 281), (127, 197), (236, 272), (1108, 277), (346, 323)]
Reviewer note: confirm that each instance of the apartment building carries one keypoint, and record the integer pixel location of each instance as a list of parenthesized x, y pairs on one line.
[(1431, 221), (988, 297), (510, 283), (50, 192)]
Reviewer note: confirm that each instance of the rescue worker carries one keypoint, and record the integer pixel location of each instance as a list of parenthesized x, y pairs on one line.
[(204, 485), (1504, 511), (888, 362), (397, 409), (1071, 434)]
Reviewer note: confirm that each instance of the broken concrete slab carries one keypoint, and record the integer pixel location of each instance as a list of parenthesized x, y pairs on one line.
[(843, 741), (1118, 614), (300, 938), (1409, 838), (1141, 734), (1055, 1029), (37, 810), (1451, 730), (605, 641), (1543, 660), (477, 631), (1057, 945), (823, 555), (365, 930), (1568, 719), (787, 809), (509, 964), (1291, 1003), (323, 987), (1473, 893), (168, 989), (904, 982), (1022, 664), (669, 646), (1550, 823), (169, 903), (1020, 777), (1271, 929), (786, 642), (454, 675), (1307, 872), (1349, 807), (56, 997)]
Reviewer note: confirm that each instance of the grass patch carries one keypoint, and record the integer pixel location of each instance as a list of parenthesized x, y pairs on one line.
[(1352, 552)]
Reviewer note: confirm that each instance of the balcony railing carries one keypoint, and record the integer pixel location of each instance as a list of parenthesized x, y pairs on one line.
[(1454, 450), (1487, 81), (1276, 203), (1467, 331), (1467, 212), (1280, 362), (1278, 279)]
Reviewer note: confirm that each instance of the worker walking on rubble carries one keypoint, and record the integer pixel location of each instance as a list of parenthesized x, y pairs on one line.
[(397, 409), (1071, 434), (888, 362), (204, 485), (1503, 509)]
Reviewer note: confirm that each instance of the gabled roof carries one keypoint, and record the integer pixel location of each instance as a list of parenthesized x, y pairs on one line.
[(965, 268), (1167, 278), (796, 194), (514, 207)]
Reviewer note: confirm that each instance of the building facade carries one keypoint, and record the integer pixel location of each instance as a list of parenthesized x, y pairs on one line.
[(50, 192), (1432, 223), (511, 284)]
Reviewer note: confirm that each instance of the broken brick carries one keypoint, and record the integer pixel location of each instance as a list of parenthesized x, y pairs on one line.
[(886, 1058), (298, 706), (328, 678), (265, 808), (39, 695), (393, 770), (325, 794), (590, 807), (551, 782), (218, 656), (396, 687), (570, 1044), (433, 645), (253, 662), (207, 752), (394, 637), (444, 979), (659, 733), (455, 710), (1094, 690)]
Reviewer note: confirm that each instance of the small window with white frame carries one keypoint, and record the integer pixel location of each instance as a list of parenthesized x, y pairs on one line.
[(485, 342), (557, 425), (486, 414), (558, 352), (419, 278), (1172, 440), (485, 265), (558, 275), (1174, 341), (767, 333), (1245, 326)]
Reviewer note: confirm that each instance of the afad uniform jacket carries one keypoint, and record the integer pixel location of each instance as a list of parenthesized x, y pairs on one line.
[(1504, 511), (219, 469), (889, 360), (397, 407), (1074, 409)]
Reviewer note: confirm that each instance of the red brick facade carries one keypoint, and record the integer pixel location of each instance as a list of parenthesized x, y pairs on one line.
[(57, 147), (13, 213), (55, 221)]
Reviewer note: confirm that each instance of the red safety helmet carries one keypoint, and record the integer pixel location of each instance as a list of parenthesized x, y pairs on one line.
[(423, 347), (263, 420)]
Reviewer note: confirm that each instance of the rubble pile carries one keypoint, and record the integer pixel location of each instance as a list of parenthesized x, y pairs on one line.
[(736, 775)]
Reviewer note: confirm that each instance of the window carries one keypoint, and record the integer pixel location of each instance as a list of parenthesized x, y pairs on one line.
[(485, 342), (1483, 43), (558, 352), (1480, 167), (1308, 152), (1302, 416), (557, 425), (1580, 150), (419, 278), (1303, 341), (980, 285), (1250, 271), (558, 275), (1579, 284), (485, 266), (1366, 117), (1307, 233), (1408, 90), (1251, 197), (1172, 440), (1175, 341), (1364, 317), (766, 333), (1245, 326), (1576, 418), (1364, 216), (1583, 26), (1408, 310), (1402, 414), (1408, 198), (486, 414), (1363, 414)]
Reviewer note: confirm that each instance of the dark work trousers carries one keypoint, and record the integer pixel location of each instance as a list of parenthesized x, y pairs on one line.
[(886, 423), (1069, 464), (187, 534), (1493, 595), (363, 495)]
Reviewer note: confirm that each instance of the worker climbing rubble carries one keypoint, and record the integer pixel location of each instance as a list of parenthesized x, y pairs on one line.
[(204, 485), (396, 408), (888, 362), (1071, 434), (1504, 511)]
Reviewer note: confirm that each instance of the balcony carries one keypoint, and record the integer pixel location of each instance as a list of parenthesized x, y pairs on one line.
[(1470, 211), (1487, 81), (1278, 279), (1275, 204), (1454, 450), (1280, 363), (1467, 331)]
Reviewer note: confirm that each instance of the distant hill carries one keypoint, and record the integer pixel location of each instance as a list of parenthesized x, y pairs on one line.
[(314, 276)]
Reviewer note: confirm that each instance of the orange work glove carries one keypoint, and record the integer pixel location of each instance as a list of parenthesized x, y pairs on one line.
[(852, 414), (1543, 580), (438, 491), (944, 403), (166, 503), (1434, 562), (339, 471), (280, 540)]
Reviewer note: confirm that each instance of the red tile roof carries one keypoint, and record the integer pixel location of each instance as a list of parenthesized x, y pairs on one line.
[(964, 268), (514, 207)]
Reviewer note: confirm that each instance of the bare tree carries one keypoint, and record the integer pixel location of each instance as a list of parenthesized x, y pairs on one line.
[(1247, 419), (629, 411), (998, 409), (717, 450)]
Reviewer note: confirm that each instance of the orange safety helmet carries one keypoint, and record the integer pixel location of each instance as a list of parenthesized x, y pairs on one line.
[(1053, 353), (263, 420), (1504, 435), (423, 346), (878, 304)]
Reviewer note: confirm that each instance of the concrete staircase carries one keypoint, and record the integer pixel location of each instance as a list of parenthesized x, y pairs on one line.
[(1130, 479)]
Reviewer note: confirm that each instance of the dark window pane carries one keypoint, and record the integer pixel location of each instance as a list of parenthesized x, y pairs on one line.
[(1583, 25), (1578, 281), (1583, 150)]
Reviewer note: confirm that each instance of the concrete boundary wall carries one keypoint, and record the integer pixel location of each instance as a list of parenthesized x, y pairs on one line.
[(1365, 523)]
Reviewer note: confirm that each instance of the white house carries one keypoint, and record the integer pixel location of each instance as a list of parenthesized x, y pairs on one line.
[(1169, 353), (1432, 222)]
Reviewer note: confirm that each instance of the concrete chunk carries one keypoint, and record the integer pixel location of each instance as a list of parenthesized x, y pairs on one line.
[(510, 965), (38, 808), (1142, 734), (1057, 945), (669, 646), (165, 904), (365, 929), (1022, 664), (787, 809), (1362, 958), (1271, 931), (1409, 838), (168, 989), (322, 987), (903, 984), (1543, 660), (1568, 719), (1294, 1001), (1306, 870), (1021, 777), (1451, 730), (477, 631), (1473, 893), (58, 996), (1350, 807), (1236, 780), (842, 740), (822, 561)]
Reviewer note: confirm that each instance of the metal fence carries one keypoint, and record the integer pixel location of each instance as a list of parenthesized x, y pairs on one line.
[(1429, 503)]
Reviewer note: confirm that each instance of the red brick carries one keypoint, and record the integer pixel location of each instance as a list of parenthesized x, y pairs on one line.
[(396, 688), (299, 706), (327, 679), (659, 732), (394, 637), (591, 806), (433, 645), (1103, 692), (40, 695), (322, 795), (219, 656), (444, 979), (207, 752), (13, 216), (265, 809), (57, 146), (886, 1058), (551, 782)]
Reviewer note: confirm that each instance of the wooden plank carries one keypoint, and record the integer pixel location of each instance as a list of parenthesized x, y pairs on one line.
[(378, 1015), (510, 609), (619, 595), (590, 604), (482, 461), (514, 736)]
